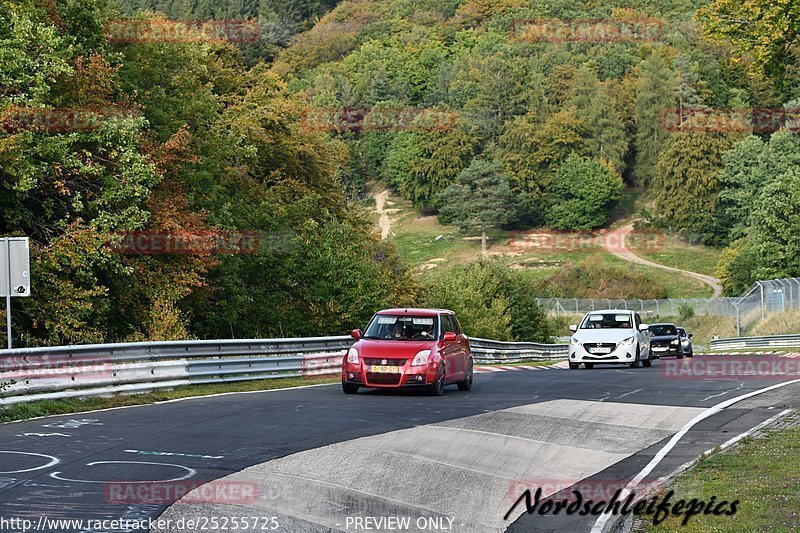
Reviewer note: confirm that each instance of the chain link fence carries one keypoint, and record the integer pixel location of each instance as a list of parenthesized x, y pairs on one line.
[(761, 299)]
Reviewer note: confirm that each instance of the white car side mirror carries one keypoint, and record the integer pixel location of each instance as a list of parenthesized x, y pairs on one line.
[(573, 327), (643, 327)]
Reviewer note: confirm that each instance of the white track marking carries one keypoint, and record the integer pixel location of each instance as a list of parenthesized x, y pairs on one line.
[(190, 473), (603, 519), (740, 387), (53, 461), (628, 393)]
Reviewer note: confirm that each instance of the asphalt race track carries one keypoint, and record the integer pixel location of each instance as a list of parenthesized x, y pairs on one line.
[(320, 460)]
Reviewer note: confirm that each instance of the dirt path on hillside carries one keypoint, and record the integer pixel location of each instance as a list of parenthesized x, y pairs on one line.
[(615, 243), (384, 221)]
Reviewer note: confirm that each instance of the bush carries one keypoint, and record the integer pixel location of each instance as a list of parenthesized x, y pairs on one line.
[(491, 302), (589, 279), (736, 266), (685, 312)]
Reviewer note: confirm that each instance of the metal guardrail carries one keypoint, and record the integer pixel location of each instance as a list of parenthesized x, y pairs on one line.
[(769, 341), (491, 351), (104, 369)]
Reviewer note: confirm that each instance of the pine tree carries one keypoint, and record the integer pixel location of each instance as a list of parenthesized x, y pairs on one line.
[(606, 136), (480, 197)]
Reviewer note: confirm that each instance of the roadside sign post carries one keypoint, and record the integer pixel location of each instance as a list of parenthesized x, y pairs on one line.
[(15, 278)]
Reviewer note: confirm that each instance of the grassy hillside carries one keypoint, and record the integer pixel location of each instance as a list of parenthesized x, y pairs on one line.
[(585, 272), (676, 252)]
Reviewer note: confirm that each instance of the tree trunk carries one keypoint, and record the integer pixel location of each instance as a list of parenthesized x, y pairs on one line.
[(483, 240)]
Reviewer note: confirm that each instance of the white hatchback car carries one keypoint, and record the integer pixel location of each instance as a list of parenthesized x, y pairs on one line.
[(611, 336)]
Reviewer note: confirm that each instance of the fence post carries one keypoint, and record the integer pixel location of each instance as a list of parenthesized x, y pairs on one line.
[(656, 301), (738, 323), (762, 299), (576, 307)]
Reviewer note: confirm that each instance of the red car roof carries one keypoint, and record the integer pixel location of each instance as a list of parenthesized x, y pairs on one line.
[(414, 311)]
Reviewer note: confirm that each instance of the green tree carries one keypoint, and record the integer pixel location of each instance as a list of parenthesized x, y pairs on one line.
[(531, 152), (776, 223), (606, 135), (655, 94), (582, 194), (747, 167), (420, 165), (767, 30), (515, 150), (480, 197), (686, 188)]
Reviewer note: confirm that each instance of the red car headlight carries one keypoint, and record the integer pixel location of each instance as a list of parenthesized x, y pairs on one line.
[(352, 356), (421, 358)]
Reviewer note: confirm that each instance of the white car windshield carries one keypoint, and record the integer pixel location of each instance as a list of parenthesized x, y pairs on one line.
[(607, 321)]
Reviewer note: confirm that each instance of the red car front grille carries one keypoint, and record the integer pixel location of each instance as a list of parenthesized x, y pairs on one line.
[(383, 379), (384, 362)]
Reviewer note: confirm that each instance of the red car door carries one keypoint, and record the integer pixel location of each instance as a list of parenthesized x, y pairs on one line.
[(463, 343), (450, 350)]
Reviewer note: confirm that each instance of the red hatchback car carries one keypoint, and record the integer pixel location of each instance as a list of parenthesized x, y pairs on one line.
[(422, 348)]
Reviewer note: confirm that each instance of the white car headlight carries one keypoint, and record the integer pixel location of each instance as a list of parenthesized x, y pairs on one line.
[(352, 356), (674, 341), (629, 341), (421, 358), (574, 342)]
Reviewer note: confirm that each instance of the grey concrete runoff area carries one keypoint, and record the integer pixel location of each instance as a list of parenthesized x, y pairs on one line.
[(319, 460)]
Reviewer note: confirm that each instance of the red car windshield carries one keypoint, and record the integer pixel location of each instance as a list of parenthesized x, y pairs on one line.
[(401, 328)]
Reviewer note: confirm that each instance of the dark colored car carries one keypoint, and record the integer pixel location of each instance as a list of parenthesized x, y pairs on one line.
[(423, 348), (686, 342), (665, 341)]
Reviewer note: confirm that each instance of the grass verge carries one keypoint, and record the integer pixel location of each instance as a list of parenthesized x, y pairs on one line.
[(526, 363), (763, 473), (677, 253), (26, 410), (782, 323)]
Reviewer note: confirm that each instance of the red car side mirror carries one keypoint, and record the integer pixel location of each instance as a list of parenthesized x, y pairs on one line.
[(356, 334), (449, 337)]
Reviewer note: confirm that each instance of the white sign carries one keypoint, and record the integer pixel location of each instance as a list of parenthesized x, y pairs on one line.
[(19, 266)]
